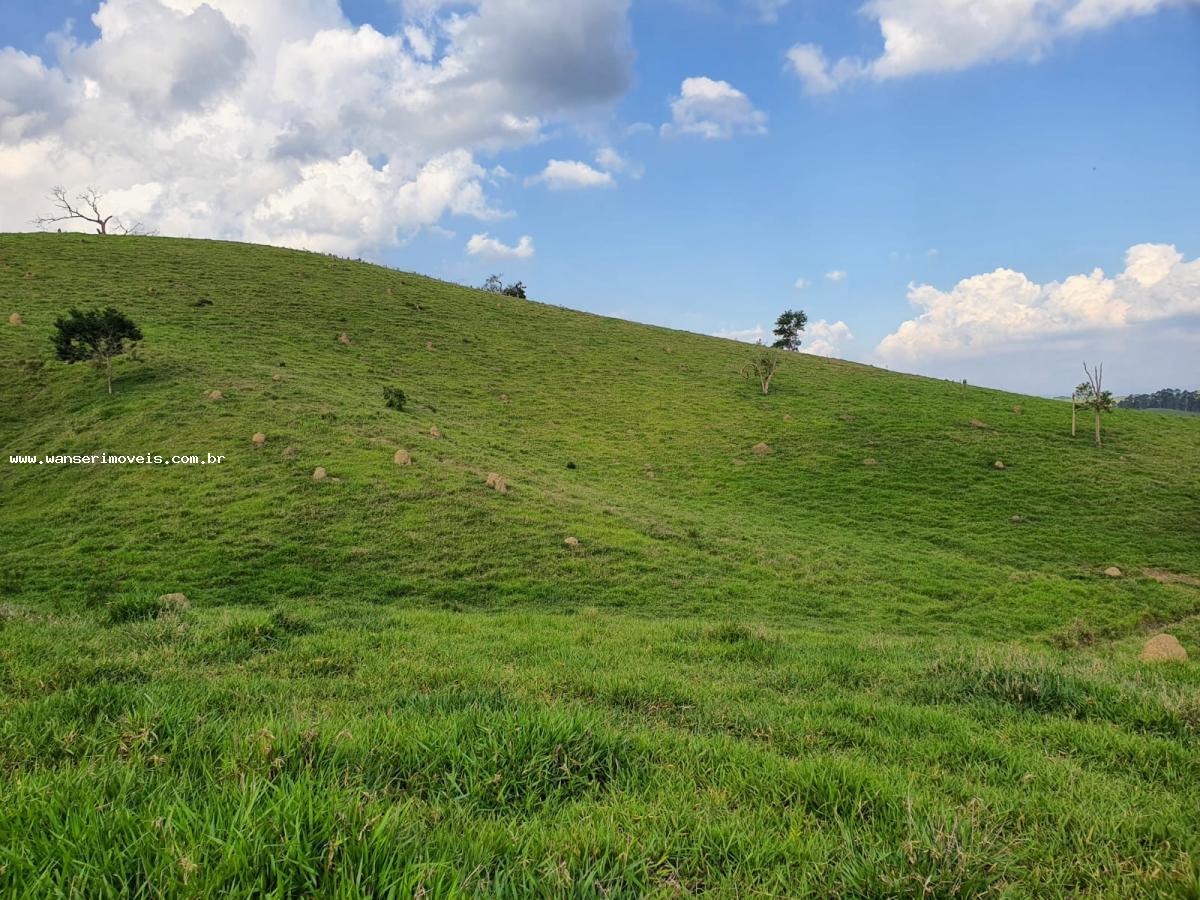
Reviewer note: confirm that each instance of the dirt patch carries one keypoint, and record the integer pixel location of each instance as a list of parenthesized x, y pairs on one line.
[(1163, 648), (344, 338), (975, 423), (999, 464), (290, 452), (319, 474), (870, 462), (572, 542), (497, 483), (402, 458), (1113, 572), (435, 432), (1162, 576), (214, 395), (760, 449), (259, 439), (15, 319), (1017, 409)]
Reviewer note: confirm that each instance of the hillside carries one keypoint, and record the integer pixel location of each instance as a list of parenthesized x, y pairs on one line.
[(785, 672)]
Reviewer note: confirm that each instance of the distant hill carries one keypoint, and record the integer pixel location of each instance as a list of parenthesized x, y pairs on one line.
[(814, 643)]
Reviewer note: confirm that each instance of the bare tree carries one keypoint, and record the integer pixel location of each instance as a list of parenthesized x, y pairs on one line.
[(1095, 397), (86, 208), (763, 368)]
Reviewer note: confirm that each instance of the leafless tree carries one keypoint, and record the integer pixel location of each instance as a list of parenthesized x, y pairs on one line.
[(86, 208), (763, 368), (1095, 397)]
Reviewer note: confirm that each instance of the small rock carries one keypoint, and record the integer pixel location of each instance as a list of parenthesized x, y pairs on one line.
[(1163, 648), (319, 473), (435, 432), (498, 483), (760, 449), (998, 464), (215, 395), (259, 439), (1016, 520), (572, 542), (870, 462), (277, 377), (344, 338), (402, 458), (15, 319), (290, 453), (1112, 572), (174, 602)]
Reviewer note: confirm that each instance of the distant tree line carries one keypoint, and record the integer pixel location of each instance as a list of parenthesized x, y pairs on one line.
[(1167, 398)]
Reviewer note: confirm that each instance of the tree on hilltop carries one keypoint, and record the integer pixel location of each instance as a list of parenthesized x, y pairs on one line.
[(788, 328), (86, 208)]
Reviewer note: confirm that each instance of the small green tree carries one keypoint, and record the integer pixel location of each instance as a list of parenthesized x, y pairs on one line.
[(515, 290), (1095, 397), (763, 367), (788, 327), (96, 336)]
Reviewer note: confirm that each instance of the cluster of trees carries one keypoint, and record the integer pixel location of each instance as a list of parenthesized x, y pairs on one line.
[(1167, 398), (494, 285)]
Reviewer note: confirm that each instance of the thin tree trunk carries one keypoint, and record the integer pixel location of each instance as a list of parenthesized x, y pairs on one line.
[(1097, 429), (1072, 416), (108, 372)]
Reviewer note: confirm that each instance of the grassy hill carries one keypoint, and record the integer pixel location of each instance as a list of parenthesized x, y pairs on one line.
[(779, 673)]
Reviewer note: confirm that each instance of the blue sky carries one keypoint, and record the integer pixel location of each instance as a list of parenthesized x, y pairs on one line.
[(1043, 144)]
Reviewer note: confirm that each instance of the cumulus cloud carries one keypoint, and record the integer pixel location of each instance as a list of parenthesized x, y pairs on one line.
[(945, 35), (610, 160), (754, 335), (837, 276), (826, 338), (570, 174), (490, 247), (801, 284), (279, 121), (1005, 309), (714, 110), (820, 338)]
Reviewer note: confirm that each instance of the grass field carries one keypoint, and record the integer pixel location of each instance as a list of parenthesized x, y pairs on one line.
[(782, 673)]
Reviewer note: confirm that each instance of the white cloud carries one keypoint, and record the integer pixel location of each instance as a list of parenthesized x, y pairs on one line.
[(570, 174), (823, 338), (801, 284), (714, 110), (766, 10), (610, 160), (249, 117), (837, 276), (946, 35), (1005, 309), (820, 338), (484, 245), (746, 335)]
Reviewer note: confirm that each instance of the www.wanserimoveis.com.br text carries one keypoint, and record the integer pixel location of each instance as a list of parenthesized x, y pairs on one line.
[(117, 459)]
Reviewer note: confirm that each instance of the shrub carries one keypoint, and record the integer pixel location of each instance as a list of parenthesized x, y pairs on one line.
[(394, 398)]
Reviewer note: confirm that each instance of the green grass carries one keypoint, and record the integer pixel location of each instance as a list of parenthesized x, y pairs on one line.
[(782, 674)]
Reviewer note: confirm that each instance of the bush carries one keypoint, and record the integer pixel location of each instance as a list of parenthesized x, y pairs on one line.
[(394, 398)]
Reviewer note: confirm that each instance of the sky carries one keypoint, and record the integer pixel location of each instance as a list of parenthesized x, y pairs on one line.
[(990, 190)]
